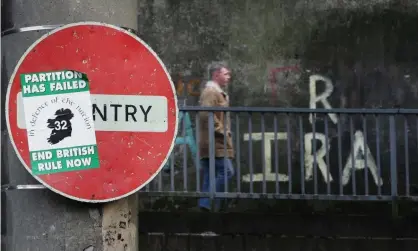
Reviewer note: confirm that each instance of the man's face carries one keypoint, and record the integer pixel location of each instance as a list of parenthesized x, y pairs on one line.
[(223, 76)]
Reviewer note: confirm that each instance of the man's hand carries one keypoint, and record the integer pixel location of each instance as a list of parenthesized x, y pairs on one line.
[(221, 134)]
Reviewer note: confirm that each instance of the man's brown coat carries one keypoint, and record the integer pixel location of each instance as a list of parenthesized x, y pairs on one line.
[(213, 97)]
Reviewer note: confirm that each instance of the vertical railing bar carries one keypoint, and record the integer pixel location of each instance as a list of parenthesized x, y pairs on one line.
[(197, 160), (263, 162), (416, 128), (172, 157), (340, 160), (276, 154), (212, 172), (238, 154), (160, 181), (302, 157), (327, 154), (366, 153), (406, 134), (315, 162), (225, 124), (226, 171), (149, 187), (250, 149), (289, 153), (353, 176), (392, 143), (379, 170), (184, 153)]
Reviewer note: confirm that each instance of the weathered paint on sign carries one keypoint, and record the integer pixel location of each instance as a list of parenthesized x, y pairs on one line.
[(129, 102)]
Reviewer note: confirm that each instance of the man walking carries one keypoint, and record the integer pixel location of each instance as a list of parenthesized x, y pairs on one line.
[(213, 95)]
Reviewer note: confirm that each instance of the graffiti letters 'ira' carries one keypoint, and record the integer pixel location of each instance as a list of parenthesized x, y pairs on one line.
[(359, 158)]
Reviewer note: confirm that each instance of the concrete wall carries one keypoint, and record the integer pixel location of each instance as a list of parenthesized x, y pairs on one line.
[(272, 244), (363, 49), (285, 54)]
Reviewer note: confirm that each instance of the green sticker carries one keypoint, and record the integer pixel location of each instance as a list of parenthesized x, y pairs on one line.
[(59, 121), (52, 83)]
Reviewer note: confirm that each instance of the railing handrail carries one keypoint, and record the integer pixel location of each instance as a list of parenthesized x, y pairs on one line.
[(389, 111)]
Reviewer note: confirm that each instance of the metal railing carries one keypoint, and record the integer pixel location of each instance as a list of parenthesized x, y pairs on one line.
[(297, 153)]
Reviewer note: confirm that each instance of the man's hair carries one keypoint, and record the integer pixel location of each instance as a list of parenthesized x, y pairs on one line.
[(216, 66)]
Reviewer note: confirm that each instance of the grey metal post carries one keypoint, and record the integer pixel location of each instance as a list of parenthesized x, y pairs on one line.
[(40, 219)]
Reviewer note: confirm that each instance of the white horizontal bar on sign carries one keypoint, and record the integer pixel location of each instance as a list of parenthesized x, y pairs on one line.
[(120, 113)]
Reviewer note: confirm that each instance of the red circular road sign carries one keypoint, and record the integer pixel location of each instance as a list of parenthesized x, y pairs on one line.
[(92, 112)]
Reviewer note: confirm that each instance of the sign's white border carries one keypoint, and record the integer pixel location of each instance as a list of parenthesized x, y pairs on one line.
[(14, 75)]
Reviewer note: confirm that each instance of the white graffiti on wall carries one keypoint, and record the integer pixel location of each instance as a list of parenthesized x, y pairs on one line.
[(361, 151), (269, 173), (359, 162), (319, 158), (314, 98)]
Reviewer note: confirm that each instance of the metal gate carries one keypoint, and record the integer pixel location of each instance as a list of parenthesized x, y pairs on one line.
[(297, 153)]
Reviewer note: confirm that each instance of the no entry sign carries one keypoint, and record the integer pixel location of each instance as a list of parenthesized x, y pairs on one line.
[(92, 112)]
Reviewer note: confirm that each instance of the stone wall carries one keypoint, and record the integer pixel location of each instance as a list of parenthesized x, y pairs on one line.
[(363, 54)]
